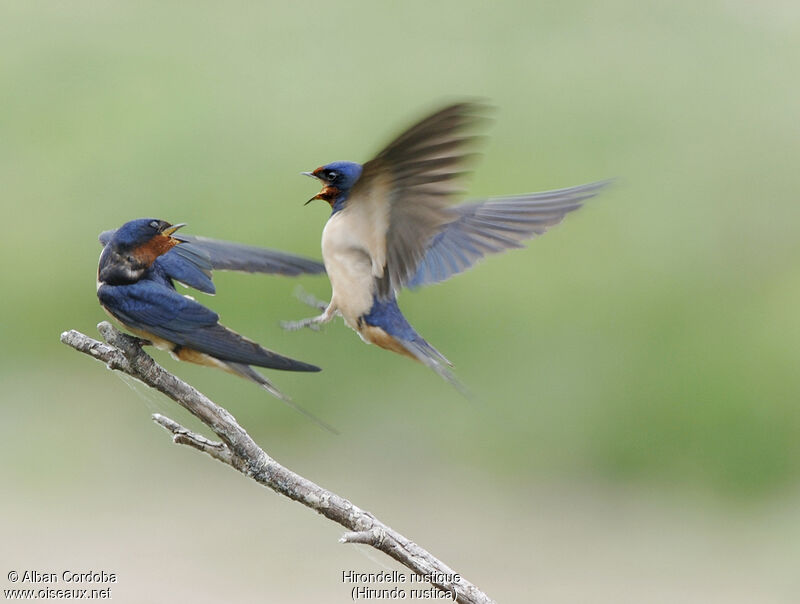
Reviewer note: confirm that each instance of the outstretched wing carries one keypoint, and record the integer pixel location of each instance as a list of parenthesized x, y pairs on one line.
[(410, 184), (230, 256), (494, 226)]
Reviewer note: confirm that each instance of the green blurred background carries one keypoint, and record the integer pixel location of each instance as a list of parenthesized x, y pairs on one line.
[(636, 429)]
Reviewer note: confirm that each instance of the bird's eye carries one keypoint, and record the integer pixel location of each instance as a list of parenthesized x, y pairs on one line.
[(154, 224), (332, 175)]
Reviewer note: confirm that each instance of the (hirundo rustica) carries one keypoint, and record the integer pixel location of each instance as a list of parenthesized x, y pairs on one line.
[(135, 284), (392, 226)]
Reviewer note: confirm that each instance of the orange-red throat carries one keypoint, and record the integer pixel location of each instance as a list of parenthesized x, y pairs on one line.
[(158, 245)]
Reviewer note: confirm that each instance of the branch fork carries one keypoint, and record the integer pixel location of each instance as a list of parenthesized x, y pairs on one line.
[(124, 353)]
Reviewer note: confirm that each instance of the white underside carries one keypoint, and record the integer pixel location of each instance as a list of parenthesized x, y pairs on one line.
[(354, 252)]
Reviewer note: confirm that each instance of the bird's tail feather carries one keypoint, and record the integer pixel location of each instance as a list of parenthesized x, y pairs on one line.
[(251, 374), (432, 358), (386, 326)]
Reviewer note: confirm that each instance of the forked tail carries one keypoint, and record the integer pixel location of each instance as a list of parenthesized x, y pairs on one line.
[(386, 327)]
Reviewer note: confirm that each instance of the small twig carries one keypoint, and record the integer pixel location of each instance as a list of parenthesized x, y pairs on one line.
[(237, 449), (182, 436), (374, 537)]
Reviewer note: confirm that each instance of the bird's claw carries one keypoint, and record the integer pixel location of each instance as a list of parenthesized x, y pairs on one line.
[(309, 299), (298, 325)]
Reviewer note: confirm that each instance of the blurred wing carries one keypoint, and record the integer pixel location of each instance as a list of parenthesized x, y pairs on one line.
[(412, 181), (229, 256), (494, 226)]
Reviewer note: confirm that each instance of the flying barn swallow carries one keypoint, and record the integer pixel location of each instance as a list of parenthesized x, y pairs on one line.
[(135, 284), (392, 226)]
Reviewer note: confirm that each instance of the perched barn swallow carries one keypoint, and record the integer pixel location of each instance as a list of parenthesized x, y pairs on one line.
[(392, 226), (135, 284)]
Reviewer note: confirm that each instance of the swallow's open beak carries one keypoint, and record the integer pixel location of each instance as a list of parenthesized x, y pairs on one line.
[(317, 196), (329, 193), (171, 229)]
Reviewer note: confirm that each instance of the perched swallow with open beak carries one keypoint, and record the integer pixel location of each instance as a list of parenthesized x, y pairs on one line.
[(138, 266), (393, 225)]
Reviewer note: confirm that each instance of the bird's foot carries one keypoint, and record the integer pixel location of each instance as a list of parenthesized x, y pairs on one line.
[(312, 323), (309, 299)]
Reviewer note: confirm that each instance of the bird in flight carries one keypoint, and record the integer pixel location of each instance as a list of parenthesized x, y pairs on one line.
[(393, 225), (138, 266)]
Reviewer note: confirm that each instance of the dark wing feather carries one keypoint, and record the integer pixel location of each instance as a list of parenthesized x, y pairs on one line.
[(189, 265), (417, 175), (493, 226), (230, 256), (156, 308), (223, 343)]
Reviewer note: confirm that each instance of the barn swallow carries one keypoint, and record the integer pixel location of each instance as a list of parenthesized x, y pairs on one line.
[(392, 226), (135, 285)]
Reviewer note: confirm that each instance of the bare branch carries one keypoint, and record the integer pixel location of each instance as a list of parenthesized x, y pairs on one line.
[(237, 449)]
